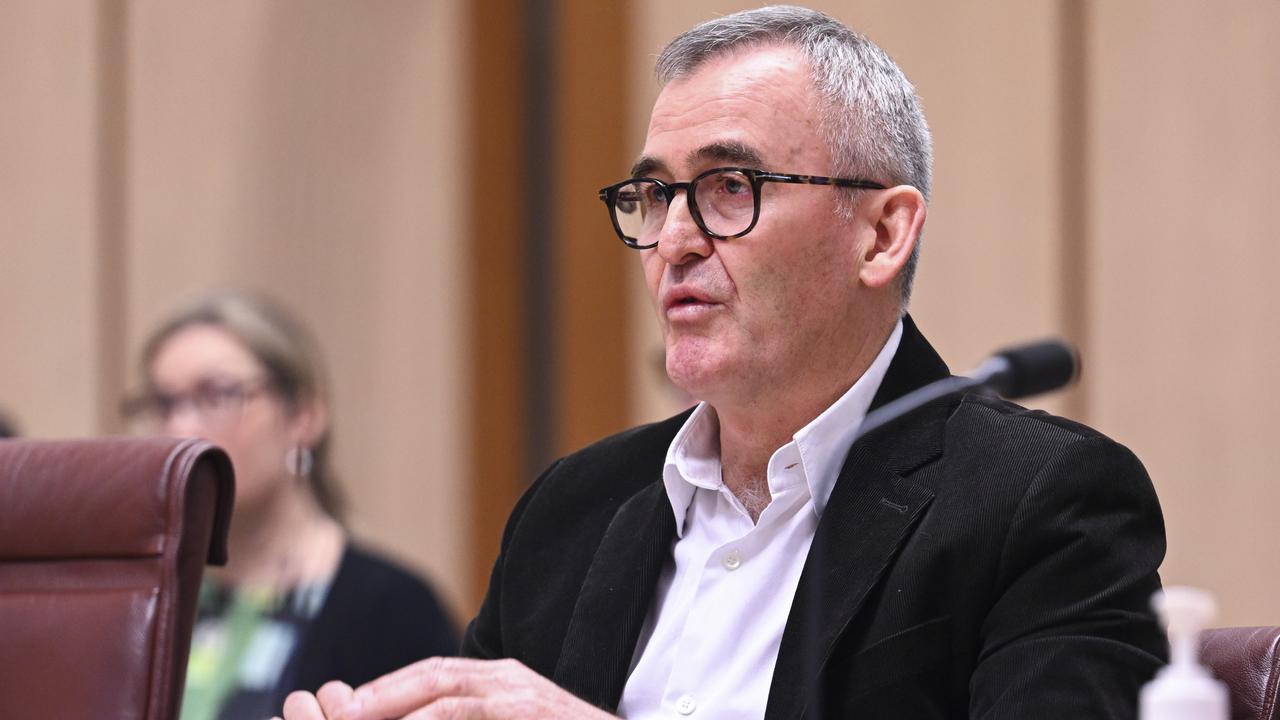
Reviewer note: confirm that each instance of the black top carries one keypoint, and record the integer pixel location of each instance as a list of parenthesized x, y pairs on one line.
[(376, 618)]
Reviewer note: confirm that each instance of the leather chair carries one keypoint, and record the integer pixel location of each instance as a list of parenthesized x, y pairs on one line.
[(103, 544), (1248, 661)]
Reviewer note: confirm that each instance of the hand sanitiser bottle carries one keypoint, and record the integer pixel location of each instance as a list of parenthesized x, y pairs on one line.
[(1184, 689)]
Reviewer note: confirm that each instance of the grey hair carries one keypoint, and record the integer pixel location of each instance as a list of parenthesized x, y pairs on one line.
[(874, 123)]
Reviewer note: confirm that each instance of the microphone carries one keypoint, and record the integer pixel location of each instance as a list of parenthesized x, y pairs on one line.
[(1030, 369), (1012, 373)]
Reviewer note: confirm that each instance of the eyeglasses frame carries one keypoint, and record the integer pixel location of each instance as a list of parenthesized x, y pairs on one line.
[(609, 196), (138, 406)]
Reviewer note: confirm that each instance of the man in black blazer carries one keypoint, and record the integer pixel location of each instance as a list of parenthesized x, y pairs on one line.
[(973, 560)]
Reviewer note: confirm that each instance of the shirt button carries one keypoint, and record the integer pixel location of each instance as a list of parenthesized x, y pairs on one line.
[(686, 705), (732, 560)]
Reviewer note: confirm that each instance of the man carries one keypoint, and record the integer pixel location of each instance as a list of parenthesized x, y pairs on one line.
[(749, 559)]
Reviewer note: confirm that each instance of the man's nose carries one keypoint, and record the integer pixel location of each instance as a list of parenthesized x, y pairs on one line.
[(681, 240)]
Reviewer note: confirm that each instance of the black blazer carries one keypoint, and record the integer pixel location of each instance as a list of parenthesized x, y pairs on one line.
[(975, 560)]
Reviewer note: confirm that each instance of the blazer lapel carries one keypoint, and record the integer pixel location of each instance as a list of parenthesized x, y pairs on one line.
[(857, 538), (615, 599), (873, 509)]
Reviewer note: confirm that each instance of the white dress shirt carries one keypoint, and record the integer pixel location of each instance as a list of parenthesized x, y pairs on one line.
[(709, 644)]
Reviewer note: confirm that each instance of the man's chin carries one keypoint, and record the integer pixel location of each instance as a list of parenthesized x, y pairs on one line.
[(697, 379)]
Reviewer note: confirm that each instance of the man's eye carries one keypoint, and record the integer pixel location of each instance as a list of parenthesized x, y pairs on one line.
[(626, 201), (653, 195), (729, 183)]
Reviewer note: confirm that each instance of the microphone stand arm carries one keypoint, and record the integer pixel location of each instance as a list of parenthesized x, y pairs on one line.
[(988, 375)]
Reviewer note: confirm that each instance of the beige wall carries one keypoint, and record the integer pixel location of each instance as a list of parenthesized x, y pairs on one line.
[(1183, 255), (48, 206), (1104, 170)]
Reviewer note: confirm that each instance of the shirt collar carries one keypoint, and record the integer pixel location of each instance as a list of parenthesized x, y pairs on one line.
[(693, 458), (693, 461)]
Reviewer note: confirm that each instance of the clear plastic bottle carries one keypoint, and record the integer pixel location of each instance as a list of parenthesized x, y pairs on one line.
[(1184, 689)]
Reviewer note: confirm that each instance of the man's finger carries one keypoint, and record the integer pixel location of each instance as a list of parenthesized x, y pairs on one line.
[(302, 705), (422, 683), (333, 696), (452, 664)]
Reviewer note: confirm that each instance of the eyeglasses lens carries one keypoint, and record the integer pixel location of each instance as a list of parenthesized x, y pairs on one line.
[(640, 209), (726, 202)]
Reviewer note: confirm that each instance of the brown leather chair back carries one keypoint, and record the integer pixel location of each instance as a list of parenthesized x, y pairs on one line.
[(102, 546), (1246, 659)]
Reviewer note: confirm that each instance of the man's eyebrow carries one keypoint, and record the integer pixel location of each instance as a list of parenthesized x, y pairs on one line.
[(735, 153), (731, 152), (645, 166)]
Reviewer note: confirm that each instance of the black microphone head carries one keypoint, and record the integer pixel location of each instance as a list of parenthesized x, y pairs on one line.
[(1036, 368)]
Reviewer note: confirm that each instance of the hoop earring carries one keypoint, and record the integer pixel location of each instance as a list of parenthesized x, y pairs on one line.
[(299, 460)]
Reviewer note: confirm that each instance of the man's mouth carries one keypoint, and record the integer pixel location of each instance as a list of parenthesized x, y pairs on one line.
[(686, 303)]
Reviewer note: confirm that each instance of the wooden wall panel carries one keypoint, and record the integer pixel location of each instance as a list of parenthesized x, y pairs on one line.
[(591, 304), (549, 336), (1185, 336), (497, 348), (49, 206)]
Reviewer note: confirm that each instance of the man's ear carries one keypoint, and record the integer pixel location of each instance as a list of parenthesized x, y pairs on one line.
[(897, 215)]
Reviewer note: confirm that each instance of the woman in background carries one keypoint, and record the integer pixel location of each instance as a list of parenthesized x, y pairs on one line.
[(298, 603)]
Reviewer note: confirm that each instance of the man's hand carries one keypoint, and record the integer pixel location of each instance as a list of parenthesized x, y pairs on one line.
[(445, 688), (305, 706)]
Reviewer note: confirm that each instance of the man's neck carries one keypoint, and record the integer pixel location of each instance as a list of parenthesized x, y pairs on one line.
[(749, 439), (751, 432)]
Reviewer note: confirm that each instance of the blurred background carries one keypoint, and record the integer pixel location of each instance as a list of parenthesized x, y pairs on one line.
[(417, 180)]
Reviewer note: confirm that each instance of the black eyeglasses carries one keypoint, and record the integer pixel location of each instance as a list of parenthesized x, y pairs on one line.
[(216, 402), (724, 202)]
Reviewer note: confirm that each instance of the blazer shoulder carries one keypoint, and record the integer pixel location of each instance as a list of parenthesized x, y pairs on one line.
[(623, 463), (1011, 442), (1000, 420), (589, 485)]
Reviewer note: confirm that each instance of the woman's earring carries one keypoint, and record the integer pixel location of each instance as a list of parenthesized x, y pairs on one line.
[(299, 460)]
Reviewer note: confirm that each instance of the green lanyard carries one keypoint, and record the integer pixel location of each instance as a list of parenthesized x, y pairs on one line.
[(212, 668)]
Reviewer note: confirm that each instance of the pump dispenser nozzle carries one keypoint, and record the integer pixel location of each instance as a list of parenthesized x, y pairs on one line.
[(1184, 690)]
